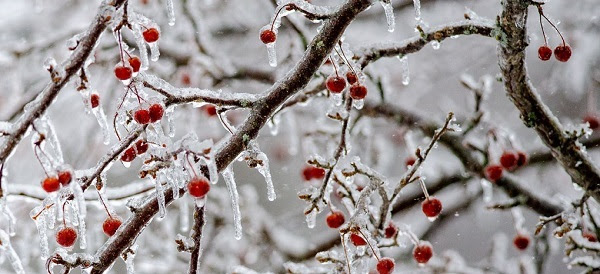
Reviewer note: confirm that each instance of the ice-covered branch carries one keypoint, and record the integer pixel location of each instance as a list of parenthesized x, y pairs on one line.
[(196, 237), (534, 113)]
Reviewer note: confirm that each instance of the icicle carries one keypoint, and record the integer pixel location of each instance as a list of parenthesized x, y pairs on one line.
[(274, 124), (184, 211), (311, 219), (171, 14), (170, 113), (10, 253), (404, 67), (9, 215), (141, 44), (271, 53), (235, 203), (266, 172), (154, 52), (40, 223), (213, 172), (417, 4), (160, 195), (130, 256), (101, 118), (389, 14), (358, 104)]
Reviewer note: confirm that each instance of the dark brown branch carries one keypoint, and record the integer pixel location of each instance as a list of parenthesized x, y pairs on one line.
[(534, 113), (196, 237)]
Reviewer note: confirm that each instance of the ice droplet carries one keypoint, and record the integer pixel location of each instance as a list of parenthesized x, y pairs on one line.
[(389, 14), (154, 52), (435, 45), (171, 12), (405, 70), (358, 104), (311, 219), (160, 195), (235, 203), (266, 172), (272, 54)]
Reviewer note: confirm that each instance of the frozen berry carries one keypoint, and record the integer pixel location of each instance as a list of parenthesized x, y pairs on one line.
[(151, 35), (198, 187), (335, 219), (358, 92), (432, 207), (135, 63), (562, 53), (311, 172), (185, 79), (156, 112), (335, 84), (521, 158), (423, 252), (410, 161), (142, 116), (508, 160), (64, 177), (590, 236), (544, 53), (351, 77), (111, 225), (128, 155), (592, 120), (66, 236), (141, 146), (210, 110), (385, 266), (123, 73), (521, 241), (50, 184), (357, 240), (94, 100), (391, 230), (268, 36), (493, 172)]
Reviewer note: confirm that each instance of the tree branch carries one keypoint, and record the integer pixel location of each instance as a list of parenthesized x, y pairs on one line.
[(196, 237)]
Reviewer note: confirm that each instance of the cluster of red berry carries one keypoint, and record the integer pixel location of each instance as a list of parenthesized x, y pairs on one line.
[(561, 52), (140, 147), (67, 235), (53, 183), (509, 161), (153, 114), (312, 172)]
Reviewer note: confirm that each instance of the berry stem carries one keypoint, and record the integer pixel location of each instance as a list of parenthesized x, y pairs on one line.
[(276, 15), (187, 158), (121, 47), (424, 188), (41, 211), (334, 66), (345, 252), (63, 209), (117, 113), (542, 26), (102, 201), (369, 242), (552, 24), (345, 59), (37, 156)]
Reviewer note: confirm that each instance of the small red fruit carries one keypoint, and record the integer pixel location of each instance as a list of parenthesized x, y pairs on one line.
[(335, 84), (64, 177), (410, 161), (521, 241), (142, 116), (210, 110), (141, 146), (335, 219), (358, 92), (156, 112), (50, 184), (391, 230), (423, 252), (351, 77), (592, 120), (123, 73), (198, 187), (151, 35), (385, 266), (357, 240), (94, 100), (493, 172), (544, 53), (590, 236), (432, 207), (66, 236), (521, 158), (111, 225), (562, 53), (509, 160), (311, 172), (135, 63), (128, 155), (268, 36)]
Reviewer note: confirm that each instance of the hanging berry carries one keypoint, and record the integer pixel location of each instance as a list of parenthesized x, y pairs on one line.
[(521, 158), (64, 177), (141, 146), (385, 265), (351, 77), (94, 100), (562, 52), (335, 219), (391, 230), (156, 112), (410, 161), (110, 225), (51, 184), (521, 241), (66, 236), (335, 84), (544, 53), (142, 116), (493, 172), (123, 73), (198, 187), (423, 252), (135, 63), (358, 92), (509, 160), (151, 35), (357, 240), (431, 207), (128, 155)]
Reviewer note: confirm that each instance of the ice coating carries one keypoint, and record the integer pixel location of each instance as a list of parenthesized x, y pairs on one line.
[(171, 12), (160, 195), (404, 68), (101, 118), (417, 5), (389, 14), (235, 203), (9, 252), (272, 54)]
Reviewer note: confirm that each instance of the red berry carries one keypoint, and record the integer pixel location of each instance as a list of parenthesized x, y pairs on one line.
[(311, 172), (111, 225), (358, 92), (357, 240), (385, 266), (211, 110), (66, 236), (521, 241), (562, 53), (64, 177), (521, 158), (142, 116), (493, 172), (432, 207), (410, 161), (151, 35), (391, 230), (186, 80), (335, 219), (198, 187), (128, 155), (141, 146), (123, 73), (593, 120), (156, 112), (590, 236), (423, 252), (95, 100), (351, 77), (50, 184), (544, 53), (135, 63), (335, 84), (509, 160), (268, 36)]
